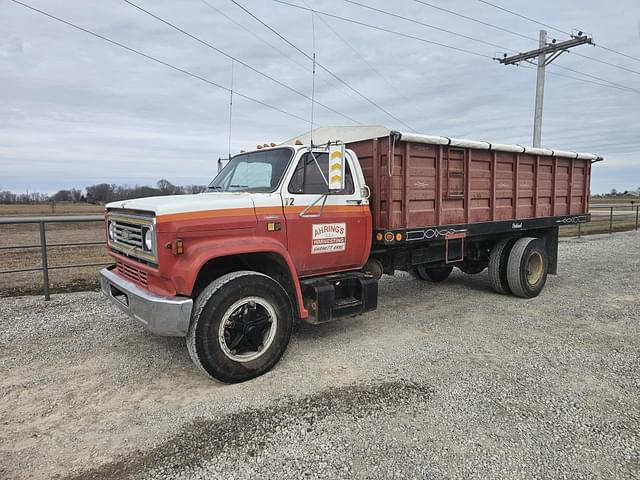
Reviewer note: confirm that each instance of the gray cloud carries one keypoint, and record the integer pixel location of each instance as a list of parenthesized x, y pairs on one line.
[(76, 110)]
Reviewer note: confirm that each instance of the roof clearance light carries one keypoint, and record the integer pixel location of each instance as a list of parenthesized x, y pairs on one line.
[(298, 142), (259, 147)]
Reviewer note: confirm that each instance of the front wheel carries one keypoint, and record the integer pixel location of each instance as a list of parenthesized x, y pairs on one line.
[(241, 325)]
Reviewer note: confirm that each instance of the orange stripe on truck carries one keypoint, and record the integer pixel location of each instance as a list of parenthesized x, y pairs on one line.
[(238, 212)]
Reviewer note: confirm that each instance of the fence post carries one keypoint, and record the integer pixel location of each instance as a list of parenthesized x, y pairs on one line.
[(579, 231), (610, 220), (637, 211), (45, 262)]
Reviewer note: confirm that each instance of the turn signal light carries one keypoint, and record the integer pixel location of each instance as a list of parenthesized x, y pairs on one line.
[(379, 236), (177, 247), (398, 237)]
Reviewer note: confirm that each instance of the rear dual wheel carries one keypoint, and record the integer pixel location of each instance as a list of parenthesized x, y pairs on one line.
[(432, 274), (518, 266), (527, 267)]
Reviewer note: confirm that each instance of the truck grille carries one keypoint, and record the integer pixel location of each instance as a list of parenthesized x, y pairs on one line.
[(132, 273), (128, 234)]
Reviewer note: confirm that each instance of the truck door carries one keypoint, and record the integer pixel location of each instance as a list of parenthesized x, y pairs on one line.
[(326, 232)]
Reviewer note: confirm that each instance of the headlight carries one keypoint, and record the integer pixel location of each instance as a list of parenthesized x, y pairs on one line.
[(111, 230), (148, 239)]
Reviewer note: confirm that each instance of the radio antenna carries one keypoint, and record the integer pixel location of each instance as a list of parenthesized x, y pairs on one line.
[(230, 110), (313, 74)]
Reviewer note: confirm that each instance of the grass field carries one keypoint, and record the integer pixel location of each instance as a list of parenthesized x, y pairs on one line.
[(86, 278), (59, 208)]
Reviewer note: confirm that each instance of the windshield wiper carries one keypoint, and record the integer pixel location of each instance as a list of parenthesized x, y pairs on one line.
[(214, 187), (238, 186)]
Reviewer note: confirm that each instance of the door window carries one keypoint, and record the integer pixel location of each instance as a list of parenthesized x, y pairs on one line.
[(308, 179)]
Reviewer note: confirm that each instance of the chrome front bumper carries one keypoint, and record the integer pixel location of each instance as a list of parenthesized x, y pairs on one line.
[(165, 316)]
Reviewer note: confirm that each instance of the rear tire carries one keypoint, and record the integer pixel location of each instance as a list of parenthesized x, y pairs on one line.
[(527, 267), (472, 268), (431, 274), (498, 259), (240, 326)]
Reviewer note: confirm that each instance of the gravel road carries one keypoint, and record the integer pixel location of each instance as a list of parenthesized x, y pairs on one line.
[(442, 381)]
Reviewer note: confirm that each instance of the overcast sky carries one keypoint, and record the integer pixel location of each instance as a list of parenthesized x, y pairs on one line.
[(75, 110)]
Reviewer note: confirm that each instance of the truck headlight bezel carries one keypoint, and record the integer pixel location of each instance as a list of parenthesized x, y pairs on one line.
[(149, 239)]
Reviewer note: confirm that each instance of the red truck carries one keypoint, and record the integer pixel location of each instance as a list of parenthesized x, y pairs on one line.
[(305, 231)]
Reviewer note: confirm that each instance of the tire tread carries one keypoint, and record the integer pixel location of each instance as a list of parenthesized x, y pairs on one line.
[(201, 302), (497, 278)]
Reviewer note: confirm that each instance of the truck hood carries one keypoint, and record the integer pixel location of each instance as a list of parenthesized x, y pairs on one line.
[(200, 202)]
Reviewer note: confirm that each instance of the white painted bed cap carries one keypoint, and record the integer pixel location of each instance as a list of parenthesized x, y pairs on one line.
[(501, 147), (350, 134)]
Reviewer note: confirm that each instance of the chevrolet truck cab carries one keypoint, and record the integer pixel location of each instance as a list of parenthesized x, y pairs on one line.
[(281, 233)]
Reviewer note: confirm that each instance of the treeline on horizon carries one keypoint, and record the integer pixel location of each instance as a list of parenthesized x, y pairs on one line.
[(105, 192), (101, 193)]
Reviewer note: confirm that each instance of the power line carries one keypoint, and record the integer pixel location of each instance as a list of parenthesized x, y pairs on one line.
[(382, 29), (412, 20), (619, 53), (567, 33), (525, 17), (231, 57), (255, 35), (623, 88), (350, 20), (345, 83), (156, 60), (631, 89), (361, 56), (607, 63), (457, 14)]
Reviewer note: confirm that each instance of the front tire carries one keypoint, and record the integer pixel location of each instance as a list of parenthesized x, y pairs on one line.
[(527, 267), (241, 326)]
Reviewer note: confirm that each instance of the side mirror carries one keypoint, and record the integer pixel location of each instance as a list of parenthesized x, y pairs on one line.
[(336, 167)]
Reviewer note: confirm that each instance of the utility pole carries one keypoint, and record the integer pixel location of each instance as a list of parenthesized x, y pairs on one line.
[(537, 116), (545, 54)]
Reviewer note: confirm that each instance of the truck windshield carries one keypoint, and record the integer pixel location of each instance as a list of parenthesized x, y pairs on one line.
[(253, 172)]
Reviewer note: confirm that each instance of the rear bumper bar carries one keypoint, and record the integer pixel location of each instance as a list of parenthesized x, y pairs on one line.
[(165, 316)]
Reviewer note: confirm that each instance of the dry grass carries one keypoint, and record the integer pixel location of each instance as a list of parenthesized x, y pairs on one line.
[(60, 279), (59, 208)]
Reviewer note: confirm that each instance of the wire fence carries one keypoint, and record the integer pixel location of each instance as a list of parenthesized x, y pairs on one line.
[(44, 247), (604, 219)]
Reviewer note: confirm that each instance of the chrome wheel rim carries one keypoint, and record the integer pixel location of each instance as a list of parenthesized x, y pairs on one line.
[(247, 329)]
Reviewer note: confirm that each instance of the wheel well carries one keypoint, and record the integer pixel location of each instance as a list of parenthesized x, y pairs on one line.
[(270, 264)]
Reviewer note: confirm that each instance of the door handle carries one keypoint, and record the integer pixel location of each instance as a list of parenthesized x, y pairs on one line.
[(356, 202)]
